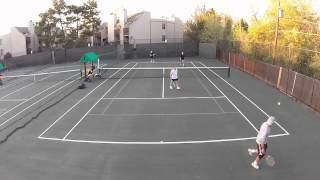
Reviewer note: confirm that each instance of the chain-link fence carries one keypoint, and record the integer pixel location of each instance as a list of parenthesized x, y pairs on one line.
[(59, 56), (140, 48)]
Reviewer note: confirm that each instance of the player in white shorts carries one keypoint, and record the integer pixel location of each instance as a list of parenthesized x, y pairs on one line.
[(174, 78), (261, 141)]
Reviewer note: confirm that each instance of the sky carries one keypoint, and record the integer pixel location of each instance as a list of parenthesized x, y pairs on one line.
[(20, 12)]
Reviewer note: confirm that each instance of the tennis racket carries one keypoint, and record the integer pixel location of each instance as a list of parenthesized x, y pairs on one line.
[(270, 161)]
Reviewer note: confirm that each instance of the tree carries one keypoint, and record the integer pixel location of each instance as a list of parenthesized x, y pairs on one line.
[(46, 29), (67, 25), (90, 19), (205, 25)]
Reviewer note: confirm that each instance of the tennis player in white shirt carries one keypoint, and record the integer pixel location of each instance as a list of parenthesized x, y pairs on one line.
[(261, 140), (174, 78)]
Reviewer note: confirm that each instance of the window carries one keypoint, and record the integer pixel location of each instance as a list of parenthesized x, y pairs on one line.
[(163, 25), (163, 38)]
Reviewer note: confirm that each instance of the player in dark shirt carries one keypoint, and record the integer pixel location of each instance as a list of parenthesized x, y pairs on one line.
[(152, 55), (182, 59)]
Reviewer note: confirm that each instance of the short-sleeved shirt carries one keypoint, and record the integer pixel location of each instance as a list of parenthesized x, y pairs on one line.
[(264, 131), (151, 55), (174, 74)]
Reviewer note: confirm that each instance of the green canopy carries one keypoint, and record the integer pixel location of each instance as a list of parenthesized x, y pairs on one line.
[(89, 57), (1, 67)]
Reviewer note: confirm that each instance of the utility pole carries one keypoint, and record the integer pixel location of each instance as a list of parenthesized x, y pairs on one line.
[(279, 14)]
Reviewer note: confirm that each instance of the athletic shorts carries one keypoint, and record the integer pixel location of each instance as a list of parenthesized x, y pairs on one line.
[(262, 149), (174, 79)]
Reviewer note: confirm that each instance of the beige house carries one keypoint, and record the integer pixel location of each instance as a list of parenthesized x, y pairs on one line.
[(140, 28), (20, 41)]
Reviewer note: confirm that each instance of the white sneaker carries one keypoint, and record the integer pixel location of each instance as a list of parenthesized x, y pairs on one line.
[(170, 87), (255, 165), (178, 87)]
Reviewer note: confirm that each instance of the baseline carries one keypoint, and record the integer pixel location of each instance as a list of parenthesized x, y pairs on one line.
[(142, 98), (177, 114), (156, 142)]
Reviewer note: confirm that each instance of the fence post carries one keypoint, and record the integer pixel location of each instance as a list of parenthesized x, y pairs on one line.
[(313, 82), (294, 83), (279, 77)]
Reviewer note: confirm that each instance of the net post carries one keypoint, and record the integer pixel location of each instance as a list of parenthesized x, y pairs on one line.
[(34, 77), (229, 71)]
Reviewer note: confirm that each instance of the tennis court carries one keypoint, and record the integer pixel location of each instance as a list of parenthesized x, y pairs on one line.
[(130, 125)]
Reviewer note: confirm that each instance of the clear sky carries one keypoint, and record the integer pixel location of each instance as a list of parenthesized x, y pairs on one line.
[(20, 12)]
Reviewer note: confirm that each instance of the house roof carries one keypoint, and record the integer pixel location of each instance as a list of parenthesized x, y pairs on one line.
[(134, 17), (23, 30)]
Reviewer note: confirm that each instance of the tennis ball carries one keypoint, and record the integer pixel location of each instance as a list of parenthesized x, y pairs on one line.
[(278, 103)]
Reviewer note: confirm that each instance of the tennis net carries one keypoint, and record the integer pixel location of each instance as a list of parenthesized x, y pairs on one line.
[(53, 76), (164, 72)]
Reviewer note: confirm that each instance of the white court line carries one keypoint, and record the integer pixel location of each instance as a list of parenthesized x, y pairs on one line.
[(37, 101), (96, 103), (162, 83), (230, 101), (23, 87), (58, 67), (205, 87), (78, 102), (179, 114), (119, 91), (159, 62), (14, 82), (37, 95), (42, 73), (247, 98), (13, 100), (159, 68), (200, 97), (156, 142)]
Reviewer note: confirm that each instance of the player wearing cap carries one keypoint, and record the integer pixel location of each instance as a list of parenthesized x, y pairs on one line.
[(174, 78), (261, 140), (182, 58)]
